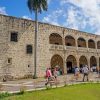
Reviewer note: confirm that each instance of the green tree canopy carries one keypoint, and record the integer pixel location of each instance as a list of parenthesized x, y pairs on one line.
[(38, 5)]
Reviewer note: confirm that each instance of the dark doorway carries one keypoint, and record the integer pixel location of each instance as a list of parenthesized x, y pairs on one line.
[(69, 67), (81, 67)]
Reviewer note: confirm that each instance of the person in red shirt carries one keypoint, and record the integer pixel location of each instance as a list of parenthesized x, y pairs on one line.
[(48, 75)]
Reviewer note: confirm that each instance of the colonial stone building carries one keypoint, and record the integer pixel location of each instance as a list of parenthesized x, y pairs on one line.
[(57, 46)]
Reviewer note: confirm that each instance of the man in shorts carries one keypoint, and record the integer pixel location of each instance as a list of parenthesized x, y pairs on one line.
[(85, 72)]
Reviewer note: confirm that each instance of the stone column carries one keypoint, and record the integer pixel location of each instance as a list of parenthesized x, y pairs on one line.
[(96, 45), (97, 58), (87, 44), (64, 51), (88, 60), (76, 43), (77, 59), (64, 64)]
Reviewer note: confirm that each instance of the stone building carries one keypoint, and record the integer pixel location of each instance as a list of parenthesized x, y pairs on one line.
[(57, 46)]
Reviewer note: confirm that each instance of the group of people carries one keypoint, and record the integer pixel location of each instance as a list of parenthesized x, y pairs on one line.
[(51, 75), (85, 70)]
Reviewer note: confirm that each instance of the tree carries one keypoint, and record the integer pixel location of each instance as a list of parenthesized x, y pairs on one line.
[(36, 6)]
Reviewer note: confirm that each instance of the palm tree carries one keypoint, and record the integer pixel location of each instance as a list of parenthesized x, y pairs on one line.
[(36, 6)]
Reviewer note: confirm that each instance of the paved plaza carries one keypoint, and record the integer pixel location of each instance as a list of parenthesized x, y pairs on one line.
[(37, 84)]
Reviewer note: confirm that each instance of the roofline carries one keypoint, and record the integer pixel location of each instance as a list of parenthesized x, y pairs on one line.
[(50, 24)]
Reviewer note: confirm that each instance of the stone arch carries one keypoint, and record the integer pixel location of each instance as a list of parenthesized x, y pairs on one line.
[(93, 61), (57, 61), (69, 40), (83, 61), (91, 43), (71, 63), (55, 38), (81, 42), (98, 45)]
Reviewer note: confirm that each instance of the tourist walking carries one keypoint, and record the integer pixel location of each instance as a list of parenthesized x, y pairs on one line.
[(85, 72), (48, 75), (76, 73), (98, 71), (55, 73)]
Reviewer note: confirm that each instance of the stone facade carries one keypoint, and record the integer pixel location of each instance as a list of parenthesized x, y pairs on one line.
[(56, 46)]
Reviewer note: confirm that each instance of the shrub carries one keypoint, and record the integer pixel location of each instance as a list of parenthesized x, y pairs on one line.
[(2, 95)]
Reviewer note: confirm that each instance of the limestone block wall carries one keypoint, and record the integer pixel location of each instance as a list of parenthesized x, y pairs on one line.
[(22, 64)]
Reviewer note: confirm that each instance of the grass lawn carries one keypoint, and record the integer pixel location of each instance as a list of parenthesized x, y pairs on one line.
[(74, 92)]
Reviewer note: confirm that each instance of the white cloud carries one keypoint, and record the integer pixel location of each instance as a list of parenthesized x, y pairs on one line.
[(3, 10), (71, 22), (77, 14), (53, 18), (90, 10), (26, 17), (49, 1)]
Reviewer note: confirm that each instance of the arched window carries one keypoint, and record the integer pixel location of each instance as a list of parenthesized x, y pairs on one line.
[(55, 38), (81, 42), (91, 43), (29, 49), (69, 41)]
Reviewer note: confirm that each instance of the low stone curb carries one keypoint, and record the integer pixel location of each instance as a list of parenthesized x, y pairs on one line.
[(44, 88)]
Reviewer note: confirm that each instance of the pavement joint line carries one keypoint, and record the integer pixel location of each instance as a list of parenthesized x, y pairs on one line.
[(16, 85)]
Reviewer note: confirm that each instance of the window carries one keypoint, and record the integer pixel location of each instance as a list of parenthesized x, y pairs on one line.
[(28, 66), (14, 37), (9, 60), (29, 49)]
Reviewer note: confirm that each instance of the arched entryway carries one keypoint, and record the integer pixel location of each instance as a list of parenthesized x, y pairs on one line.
[(57, 61), (81, 42), (55, 38), (93, 61), (83, 61), (71, 63), (69, 41), (91, 43)]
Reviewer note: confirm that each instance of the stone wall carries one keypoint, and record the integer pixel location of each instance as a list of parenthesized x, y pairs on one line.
[(22, 64)]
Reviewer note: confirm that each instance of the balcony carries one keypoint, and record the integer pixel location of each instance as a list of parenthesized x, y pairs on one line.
[(92, 50), (72, 48), (98, 50), (83, 49), (56, 47)]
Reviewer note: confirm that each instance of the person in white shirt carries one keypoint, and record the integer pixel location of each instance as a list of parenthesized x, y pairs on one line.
[(76, 73), (85, 72)]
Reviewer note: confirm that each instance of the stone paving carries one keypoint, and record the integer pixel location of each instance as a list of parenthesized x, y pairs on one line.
[(35, 84)]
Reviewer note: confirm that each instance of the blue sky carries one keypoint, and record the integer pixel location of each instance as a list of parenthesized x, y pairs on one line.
[(82, 15)]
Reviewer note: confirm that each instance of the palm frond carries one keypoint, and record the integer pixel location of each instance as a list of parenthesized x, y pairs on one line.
[(39, 5)]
